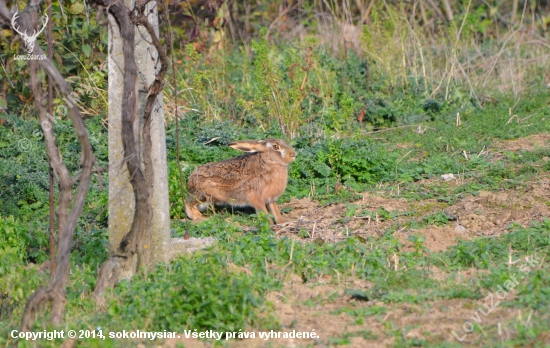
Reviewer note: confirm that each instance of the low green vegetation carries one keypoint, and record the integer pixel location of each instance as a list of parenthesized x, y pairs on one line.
[(386, 119)]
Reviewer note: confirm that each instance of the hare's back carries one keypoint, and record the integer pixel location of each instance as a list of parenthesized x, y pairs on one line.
[(244, 167)]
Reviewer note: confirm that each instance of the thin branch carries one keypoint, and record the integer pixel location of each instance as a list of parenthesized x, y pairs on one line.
[(175, 92), (56, 291)]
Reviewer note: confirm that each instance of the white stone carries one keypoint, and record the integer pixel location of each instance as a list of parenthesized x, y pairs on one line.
[(448, 177)]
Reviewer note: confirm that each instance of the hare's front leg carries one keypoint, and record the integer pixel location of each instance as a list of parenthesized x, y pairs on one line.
[(259, 206), (274, 209)]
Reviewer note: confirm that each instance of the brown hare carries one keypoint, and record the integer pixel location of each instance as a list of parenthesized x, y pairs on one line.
[(254, 179)]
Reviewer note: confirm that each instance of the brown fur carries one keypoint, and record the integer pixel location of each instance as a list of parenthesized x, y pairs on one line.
[(254, 179)]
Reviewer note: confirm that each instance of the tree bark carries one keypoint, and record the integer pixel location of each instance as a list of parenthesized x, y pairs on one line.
[(123, 261), (134, 250)]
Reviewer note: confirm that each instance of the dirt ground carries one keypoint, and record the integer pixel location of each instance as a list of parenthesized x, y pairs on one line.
[(298, 306), (486, 214)]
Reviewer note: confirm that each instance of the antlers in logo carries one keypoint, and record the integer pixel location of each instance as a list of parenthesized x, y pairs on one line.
[(29, 40)]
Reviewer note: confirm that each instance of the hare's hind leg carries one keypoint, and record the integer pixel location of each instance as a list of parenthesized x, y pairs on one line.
[(191, 210), (274, 209)]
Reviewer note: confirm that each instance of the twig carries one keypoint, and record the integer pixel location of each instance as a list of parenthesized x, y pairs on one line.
[(286, 10), (514, 117), (399, 161), (55, 293), (278, 109), (209, 141), (394, 128), (7, 76), (97, 170)]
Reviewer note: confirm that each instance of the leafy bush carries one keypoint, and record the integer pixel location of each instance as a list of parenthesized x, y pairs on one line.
[(20, 243), (91, 246), (17, 283), (13, 243), (352, 160)]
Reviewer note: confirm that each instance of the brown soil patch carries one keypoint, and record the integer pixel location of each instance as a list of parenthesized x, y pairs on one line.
[(437, 238), (529, 143), (331, 223), (486, 214), (490, 213), (403, 146), (460, 276)]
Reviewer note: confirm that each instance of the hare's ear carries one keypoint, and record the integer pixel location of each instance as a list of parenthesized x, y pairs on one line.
[(249, 146)]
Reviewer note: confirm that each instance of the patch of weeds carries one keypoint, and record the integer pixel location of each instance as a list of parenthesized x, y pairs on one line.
[(220, 226), (403, 341), (484, 252), (21, 242), (528, 157), (418, 244), (91, 246), (531, 334), (477, 253), (342, 196), (263, 223), (17, 283), (199, 292), (414, 286), (471, 188), (333, 297), (351, 209), (534, 292), (310, 303), (303, 233), (439, 218), (362, 312), (340, 341), (380, 214), (365, 334), (79, 289)]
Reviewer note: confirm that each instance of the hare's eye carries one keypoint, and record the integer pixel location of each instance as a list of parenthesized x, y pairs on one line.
[(275, 147)]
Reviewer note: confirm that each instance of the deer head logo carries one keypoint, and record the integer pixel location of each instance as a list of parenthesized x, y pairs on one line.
[(29, 40)]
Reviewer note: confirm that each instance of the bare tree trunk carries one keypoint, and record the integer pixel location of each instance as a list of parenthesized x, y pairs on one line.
[(50, 111), (63, 176), (56, 291), (124, 260), (134, 249)]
